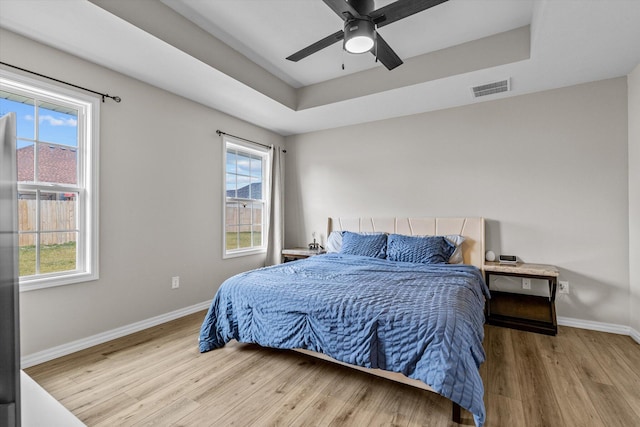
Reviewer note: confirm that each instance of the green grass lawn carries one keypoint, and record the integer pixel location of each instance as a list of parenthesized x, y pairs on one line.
[(245, 240), (52, 258)]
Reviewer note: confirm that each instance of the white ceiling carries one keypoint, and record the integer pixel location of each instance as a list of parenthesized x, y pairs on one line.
[(572, 41)]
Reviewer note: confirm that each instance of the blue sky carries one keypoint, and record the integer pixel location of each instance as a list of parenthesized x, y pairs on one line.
[(55, 126)]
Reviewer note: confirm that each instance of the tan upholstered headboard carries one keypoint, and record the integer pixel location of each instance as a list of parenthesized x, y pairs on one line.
[(471, 228)]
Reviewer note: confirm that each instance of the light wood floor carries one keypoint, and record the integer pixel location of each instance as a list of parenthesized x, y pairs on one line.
[(157, 377)]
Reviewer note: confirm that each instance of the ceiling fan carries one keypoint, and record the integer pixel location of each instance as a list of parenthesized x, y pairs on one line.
[(360, 24)]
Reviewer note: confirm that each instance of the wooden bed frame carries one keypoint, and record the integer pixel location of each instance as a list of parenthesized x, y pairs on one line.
[(473, 250)]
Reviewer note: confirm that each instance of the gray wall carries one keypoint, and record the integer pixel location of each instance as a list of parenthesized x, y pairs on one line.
[(548, 171), (160, 205), (634, 197)]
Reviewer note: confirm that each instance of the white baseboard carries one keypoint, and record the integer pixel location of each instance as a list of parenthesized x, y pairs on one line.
[(81, 344), (635, 335), (594, 326)]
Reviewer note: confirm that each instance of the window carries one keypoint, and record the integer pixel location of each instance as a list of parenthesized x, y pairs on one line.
[(246, 198), (57, 159)]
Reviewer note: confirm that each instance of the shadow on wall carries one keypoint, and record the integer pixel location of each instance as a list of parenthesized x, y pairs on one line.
[(586, 295), (492, 235)]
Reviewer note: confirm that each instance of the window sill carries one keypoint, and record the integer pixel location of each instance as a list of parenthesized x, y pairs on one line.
[(51, 282), (244, 253)]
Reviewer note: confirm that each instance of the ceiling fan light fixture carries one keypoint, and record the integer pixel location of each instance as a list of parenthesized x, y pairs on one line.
[(358, 35)]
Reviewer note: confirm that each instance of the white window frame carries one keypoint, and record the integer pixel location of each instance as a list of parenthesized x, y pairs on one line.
[(88, 149), (265, 154)]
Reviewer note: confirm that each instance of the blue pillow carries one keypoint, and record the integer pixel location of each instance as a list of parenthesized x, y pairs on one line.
[(371, 245), (424, 249)]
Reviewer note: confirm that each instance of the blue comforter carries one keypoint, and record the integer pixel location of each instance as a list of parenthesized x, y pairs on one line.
[(424, 321)]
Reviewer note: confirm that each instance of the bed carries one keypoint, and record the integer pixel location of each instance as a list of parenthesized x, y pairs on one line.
[(374, 309)]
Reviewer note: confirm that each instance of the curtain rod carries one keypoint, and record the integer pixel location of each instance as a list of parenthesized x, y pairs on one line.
[(103, 95), (219, 132)]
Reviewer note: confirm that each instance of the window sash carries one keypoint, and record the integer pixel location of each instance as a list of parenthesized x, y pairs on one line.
[(40, 231), (243, 223)]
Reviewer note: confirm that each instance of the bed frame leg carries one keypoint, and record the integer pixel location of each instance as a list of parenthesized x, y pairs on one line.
[(455, 414)]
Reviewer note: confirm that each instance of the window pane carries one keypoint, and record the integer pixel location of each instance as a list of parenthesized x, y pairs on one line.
[(57, 164), (231, 237), (257, 213), (58, 211), (25, 114), (232, 215), (245, 215), (27, 254), (57, 124), (256, 166), (257, 235), (244, 236), (24, 160), (256, 188), (231, 185), (243, 164), (27, 211), (244, 187), (231, 161), (57, 252)]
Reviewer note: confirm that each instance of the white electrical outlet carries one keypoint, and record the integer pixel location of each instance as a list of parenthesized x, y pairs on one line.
[(563, 287), (175, 282), (526, 283)]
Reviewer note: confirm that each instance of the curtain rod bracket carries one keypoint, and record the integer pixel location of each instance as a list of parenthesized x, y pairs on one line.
[(115, 98)]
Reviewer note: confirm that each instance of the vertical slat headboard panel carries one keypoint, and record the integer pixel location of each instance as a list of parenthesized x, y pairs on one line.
[(472, 228), (349, 224), (423, 226), (446, 226), (367, 225), (403, 226), (384, 225)]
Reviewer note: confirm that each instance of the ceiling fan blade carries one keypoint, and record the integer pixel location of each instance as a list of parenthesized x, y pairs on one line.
[(385, 54), (401, 9), (319, 45), (342, 8)]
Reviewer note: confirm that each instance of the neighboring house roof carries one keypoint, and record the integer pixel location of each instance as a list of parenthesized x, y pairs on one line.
[(55, 164), (243, 193)]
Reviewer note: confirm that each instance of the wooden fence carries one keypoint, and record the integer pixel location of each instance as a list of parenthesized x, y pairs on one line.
[(54, 215)]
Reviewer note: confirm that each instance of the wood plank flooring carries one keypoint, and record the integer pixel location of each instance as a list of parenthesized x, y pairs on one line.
[(157, 377)]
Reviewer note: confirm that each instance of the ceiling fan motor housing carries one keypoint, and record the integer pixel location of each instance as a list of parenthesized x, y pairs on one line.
[(359, 35)]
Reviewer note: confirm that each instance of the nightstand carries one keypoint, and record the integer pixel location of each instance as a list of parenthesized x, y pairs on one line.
[(520, 311), (299, 253)]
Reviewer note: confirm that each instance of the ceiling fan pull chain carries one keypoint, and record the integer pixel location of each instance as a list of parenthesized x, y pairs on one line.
[(375, 41)]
